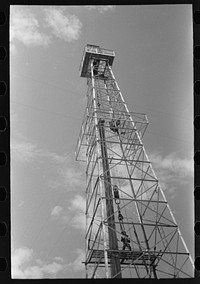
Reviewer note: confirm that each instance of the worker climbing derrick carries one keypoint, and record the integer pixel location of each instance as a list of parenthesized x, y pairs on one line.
[(124, 237), (95, 66), (114, 125)]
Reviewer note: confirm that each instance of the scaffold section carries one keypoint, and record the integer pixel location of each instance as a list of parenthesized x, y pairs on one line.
[(130, 228)]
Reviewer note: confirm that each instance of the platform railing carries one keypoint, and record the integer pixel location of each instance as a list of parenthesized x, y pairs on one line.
[(99, 50)]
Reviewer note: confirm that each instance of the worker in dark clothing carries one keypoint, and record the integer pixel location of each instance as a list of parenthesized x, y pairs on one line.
[(117, 122), (125, 240), (114, 125), (126, 243), (96, 65)]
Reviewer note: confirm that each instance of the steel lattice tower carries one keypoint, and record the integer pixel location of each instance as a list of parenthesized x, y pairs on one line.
[(130, 229)]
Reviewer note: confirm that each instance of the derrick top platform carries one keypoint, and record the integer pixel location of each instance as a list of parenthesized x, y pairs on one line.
[(94, 52)]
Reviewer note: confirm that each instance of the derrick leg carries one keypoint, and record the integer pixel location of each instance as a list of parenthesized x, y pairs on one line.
[(113, 243)]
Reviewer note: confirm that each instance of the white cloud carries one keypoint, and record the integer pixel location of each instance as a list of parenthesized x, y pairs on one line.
[(69, 174), (31, 272), (24, 27), (58, 258), (106, 8), (77, 264), (172, 171), (24, 151), (183, 167), (66, 27), (21, 255), (101, 8), (90, 7), (75, 216), (56, 211), (78, 205), (52, 268), (24, 266), (78, 221)]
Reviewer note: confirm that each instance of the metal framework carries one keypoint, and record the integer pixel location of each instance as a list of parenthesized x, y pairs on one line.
[(130, 229)]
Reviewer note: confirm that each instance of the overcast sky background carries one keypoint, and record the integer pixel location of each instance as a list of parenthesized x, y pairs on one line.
[(153, 67)]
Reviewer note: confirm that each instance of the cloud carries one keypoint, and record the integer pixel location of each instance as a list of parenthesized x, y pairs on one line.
[(71, 177), (59, 214), (66, 27), (78, 205), (101, 9), (24, 151), (24, 265), (182, 167), (172, 170), (56, 211), (106, 8), (21, 255), (52, 268), (69, 174), (78, 220), (58, 258), (77, 264), (65, 172), (74, 215), (24, 27)]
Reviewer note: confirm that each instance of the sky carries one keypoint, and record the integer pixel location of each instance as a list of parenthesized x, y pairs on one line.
[(153, 67)]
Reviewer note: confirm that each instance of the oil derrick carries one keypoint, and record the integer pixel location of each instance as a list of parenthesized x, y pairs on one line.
[(130, 229)]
